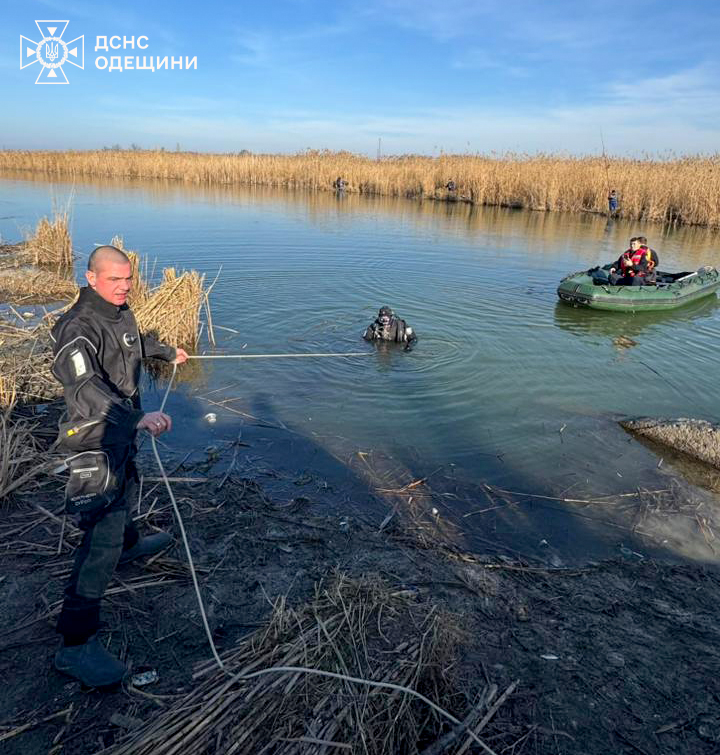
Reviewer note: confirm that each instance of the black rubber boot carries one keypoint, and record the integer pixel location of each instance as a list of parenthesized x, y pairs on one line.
[(146, 546), (91, 663)]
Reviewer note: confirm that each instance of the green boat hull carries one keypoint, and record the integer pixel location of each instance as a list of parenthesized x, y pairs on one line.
[(580, 290)]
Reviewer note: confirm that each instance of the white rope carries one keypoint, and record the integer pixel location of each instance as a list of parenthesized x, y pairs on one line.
[(218, 660), (277, 356), (282, 669)]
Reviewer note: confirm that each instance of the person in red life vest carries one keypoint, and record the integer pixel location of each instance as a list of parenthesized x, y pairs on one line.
[(632, 267)]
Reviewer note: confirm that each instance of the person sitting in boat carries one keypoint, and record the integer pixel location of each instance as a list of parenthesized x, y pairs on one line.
[(632, 267), (388, 327), (653, 261)]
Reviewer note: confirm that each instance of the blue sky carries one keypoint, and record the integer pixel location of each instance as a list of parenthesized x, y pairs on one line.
[(424, 76)]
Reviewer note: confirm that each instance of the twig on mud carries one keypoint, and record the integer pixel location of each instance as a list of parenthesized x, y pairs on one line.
[(486, 718), (62, 536), (484, 511), (32, 724), (440, 745), (231, 466), (172, 472)]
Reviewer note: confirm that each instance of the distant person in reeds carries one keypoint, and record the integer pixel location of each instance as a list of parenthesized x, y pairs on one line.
[(612, 202), (339, 184), (635, 266), (451, 186), (388, 328), (98, 353)]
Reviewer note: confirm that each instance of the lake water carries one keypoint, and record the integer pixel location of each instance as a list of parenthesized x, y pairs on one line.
[(506, 386)]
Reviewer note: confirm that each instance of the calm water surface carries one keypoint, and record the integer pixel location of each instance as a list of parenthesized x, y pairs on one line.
[(506, 386)]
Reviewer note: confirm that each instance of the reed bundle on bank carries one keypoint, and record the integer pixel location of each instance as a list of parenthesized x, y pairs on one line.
[(50, 244), (171, 310), (25, 361), (361, 628), (30, 285), (22, 457), (682, 189), (39, 269)]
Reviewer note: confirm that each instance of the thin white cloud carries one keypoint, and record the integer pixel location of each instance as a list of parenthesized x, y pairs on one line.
[(444, 20), (479, 59), (260, 48)]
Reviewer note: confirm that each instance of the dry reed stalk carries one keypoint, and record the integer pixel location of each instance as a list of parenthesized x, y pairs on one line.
[(358, 627), (680, 189)]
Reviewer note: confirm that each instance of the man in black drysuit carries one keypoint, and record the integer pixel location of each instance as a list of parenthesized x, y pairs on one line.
[(98, 359), (387, 327)]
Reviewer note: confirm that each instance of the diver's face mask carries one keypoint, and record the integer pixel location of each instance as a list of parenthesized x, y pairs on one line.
[(384, 317)]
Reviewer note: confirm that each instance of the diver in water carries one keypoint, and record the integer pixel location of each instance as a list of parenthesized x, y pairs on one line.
[(388, 327)]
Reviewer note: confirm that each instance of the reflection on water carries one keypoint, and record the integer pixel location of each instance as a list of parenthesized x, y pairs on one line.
[(506, 385), (587, 323)]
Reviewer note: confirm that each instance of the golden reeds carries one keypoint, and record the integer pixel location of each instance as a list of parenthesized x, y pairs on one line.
[(25, 361), (170, 311), (27, 285), (39, 269), (356, 627), (50, 244), (20, 453), (684, 189), (140, 287)]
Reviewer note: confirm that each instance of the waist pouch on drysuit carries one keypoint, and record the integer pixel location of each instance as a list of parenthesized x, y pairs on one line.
[(95, 482), (97, 469)]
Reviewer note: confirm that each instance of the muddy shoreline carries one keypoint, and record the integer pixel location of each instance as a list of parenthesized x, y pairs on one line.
[(618, 656)]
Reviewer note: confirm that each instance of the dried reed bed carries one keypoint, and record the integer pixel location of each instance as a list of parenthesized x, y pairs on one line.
[(682, 189), (50, 244), (20, 453), (356, 627), (25, 361), (39, 269), (171, 310), (27, 285), (697, 438)]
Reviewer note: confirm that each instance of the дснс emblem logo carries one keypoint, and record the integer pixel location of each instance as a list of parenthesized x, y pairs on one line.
[(52, 52)]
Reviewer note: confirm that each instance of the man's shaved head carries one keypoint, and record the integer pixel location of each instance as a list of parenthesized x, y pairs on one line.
[(110, 274), (104, 254)]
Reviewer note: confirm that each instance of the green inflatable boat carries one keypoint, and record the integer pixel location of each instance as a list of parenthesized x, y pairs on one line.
[(591, 289)]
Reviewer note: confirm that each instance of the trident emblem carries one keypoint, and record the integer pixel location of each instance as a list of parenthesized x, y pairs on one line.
[(52, 52)]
